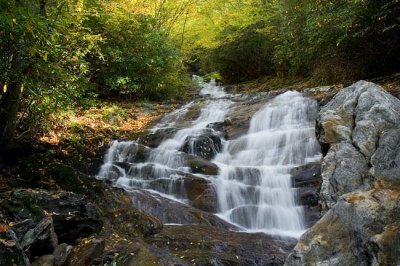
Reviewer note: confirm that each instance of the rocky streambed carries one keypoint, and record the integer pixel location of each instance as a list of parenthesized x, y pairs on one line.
[(350, 198)]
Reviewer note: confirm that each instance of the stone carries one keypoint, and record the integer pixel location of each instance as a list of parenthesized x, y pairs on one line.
[(40, 240), (173, 212), (46, 260), (306, 175), (206, 145), (11, 252), (206, 245), (307, 196), (360, 192), (73, 217), (359, 113), (199, 165), (88, 253), (61, 254), (361, 229), (220, 127), (153, 139), (386, 160), (344, 170), (20, 228)]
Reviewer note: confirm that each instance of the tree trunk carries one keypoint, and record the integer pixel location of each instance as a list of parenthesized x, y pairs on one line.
[(8, 115)]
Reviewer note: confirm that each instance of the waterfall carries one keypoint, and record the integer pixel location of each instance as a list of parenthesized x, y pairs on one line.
[(254, 186)]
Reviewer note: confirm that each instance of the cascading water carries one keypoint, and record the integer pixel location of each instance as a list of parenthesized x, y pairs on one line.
[(165, 165), (253, 186)]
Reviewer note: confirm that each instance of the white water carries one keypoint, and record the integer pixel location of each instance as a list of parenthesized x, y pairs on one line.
[(164, 166), (254, 184)]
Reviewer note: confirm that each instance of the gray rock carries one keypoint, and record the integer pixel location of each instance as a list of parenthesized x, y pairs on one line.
[(46, 260), (306, 175), (20, 228), (361, 229), (88, 253), (343, 170), (11, 252), (359, 113), (41, 239), (73, 216), (360, 187), (170, 211), (61, 254), (386, 160)]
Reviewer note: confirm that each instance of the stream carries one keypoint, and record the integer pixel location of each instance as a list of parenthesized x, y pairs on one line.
[(243, 180)]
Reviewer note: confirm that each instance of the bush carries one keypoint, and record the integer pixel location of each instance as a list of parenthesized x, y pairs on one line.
[(139, 61)]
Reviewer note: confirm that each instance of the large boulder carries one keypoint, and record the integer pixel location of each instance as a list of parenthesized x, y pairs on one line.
[(344, 169), (206, 145), (361, 229), (359, 113), (386, 160), (360, 125), (170, 211), (205, 245), (360, 192), (41, 239)]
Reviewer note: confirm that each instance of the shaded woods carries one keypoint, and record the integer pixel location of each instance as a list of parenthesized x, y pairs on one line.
[(60, 55)]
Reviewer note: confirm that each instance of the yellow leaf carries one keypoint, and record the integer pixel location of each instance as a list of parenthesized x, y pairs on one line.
[(22, 87), (14, 20), (5, 88)]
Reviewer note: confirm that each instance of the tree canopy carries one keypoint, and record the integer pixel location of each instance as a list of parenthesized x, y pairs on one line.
[(57, 55)]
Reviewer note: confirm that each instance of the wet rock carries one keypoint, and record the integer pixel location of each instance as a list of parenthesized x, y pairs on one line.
[(11, 252), (154, 139), (386, 160), (46, 260), (344, 169), (169, 211), (220, 127), (41, 239), (241, 115), (205, 245), (206, 145), (119, 214), (361, 229), (201, 194), (306, 175), (61, 254), (307, 196), (88, 253), (199, 165)]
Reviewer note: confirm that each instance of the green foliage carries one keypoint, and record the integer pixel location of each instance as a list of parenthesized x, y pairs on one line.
[(139, 60), (329, 41), (249, 55), (55, 56), (114, 115)]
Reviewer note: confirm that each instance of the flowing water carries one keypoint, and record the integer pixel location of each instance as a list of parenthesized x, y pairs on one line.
[(254, 185)]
